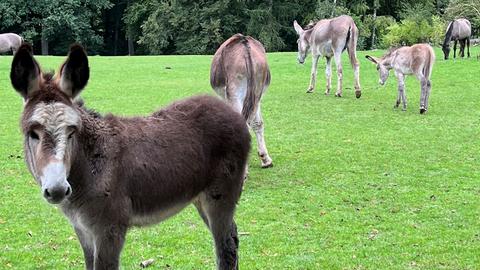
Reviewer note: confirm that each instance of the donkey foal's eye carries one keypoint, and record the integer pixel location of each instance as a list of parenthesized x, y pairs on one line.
[(33, 135), (72, 132)]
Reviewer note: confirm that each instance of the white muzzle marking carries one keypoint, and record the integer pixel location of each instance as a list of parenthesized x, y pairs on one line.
[(55, 186)]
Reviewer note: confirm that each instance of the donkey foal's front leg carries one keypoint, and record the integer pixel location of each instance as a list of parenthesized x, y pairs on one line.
[(108, 245), (87, 246), (313, 78), (401, 91)]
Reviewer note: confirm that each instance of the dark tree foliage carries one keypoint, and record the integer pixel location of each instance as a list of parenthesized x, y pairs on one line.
[(120, 27), (53, 24)]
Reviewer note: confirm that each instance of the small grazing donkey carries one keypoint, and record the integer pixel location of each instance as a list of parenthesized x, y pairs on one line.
[(110, 173), (10, 42), (417, 60), (241, 76), (330, 38)]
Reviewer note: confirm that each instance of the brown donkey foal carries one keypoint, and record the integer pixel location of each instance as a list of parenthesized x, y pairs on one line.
[(110, 173)]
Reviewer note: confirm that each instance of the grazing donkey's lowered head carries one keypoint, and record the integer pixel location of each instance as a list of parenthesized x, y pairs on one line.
[(49, 120), (110, 173)]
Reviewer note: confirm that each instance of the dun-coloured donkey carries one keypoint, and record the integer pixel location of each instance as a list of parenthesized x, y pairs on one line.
[(10, 42), (330, 38), (110, 173), (240, 75), (457, 30), (417, 60)]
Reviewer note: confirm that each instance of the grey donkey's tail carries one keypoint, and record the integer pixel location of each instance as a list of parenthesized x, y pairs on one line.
[(249, 104), (351, 43)]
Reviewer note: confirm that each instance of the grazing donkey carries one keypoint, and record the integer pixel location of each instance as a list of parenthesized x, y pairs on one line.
[(457, 30), (240, 75), (110, 173), (10, 42), (330, 38), (417, 60)]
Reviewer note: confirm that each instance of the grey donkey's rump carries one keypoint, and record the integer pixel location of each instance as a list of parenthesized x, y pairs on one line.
[(240, 74), (10, 42)]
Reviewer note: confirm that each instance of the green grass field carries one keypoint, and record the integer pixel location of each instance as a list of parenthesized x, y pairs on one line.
[(355, 183)]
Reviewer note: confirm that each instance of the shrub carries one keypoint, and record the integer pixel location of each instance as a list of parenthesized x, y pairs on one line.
[(409, 32)]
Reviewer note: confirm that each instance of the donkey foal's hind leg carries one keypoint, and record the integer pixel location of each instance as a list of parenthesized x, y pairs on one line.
[(218, 215), (423, 94), (427, 94)]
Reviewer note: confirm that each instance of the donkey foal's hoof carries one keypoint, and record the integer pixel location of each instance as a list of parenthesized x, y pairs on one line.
[(358, 94), (310, 90), (338, 95), (423, 110), (267, 165)]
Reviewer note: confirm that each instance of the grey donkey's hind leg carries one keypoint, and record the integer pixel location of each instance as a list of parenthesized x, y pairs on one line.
[(328, 74), (218, 215), (338, 61), (467, 41), (257, 126)]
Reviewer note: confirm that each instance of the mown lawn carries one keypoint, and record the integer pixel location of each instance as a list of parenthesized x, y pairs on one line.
[(355, 183)]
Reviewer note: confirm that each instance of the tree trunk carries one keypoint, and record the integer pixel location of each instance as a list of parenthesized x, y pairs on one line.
[(374, 27), (115, 39), (131, 48), (44, 42)]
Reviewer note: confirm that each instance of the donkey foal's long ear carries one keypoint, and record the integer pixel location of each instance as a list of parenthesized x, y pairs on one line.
[(25, 72), (371, 58), (297, 27), (75, 72)]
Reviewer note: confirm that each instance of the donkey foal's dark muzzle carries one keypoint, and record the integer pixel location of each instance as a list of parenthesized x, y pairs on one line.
[(57, 194)]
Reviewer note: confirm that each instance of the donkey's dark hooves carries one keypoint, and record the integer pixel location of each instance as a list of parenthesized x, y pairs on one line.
[(358, 94), (338, 95), (309, 91), (422, 111)]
